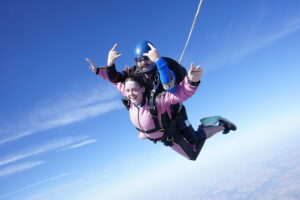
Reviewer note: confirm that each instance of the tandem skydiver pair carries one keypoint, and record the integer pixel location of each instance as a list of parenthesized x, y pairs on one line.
[(154, 89)]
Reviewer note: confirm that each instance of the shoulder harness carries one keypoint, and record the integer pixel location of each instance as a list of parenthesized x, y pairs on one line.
[(169, 126)]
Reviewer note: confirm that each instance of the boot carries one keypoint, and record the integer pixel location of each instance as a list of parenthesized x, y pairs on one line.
[(218, 121), (228, 125)]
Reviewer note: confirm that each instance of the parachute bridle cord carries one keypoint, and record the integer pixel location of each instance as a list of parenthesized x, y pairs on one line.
[(191, 30)]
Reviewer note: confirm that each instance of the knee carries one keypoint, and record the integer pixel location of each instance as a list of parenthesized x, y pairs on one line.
[(193, 158)]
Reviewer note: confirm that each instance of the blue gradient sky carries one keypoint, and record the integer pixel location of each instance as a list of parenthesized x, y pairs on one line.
[(64, 132)]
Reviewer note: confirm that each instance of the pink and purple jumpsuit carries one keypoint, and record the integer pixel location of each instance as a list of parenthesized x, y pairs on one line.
[(141, 117)]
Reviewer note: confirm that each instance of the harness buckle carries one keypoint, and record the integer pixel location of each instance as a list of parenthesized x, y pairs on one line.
[(153, 111), (161, 130), (151, 107), (170, 138)]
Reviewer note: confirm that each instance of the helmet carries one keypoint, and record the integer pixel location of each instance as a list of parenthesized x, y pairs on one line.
[(141, 48)]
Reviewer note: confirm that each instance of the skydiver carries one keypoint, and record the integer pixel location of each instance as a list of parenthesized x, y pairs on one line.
[(148, 63), (160, 127), (157, 75)]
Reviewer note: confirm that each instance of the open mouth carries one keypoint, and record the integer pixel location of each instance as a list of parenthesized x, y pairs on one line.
[(146, 68), (132, 97)]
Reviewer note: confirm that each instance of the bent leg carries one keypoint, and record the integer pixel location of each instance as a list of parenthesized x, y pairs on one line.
[(182, 147), (185, 127), (188, 133), (191, 152), (210, 130)]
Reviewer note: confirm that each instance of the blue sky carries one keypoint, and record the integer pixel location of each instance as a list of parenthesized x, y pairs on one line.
[(64, 131)]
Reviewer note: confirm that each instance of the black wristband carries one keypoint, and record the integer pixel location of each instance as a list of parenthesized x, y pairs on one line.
[(97, 71), (194, 83)]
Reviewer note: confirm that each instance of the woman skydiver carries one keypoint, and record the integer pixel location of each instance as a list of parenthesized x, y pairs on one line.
[(158, 127)]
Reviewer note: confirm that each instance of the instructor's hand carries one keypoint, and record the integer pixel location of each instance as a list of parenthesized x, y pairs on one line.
[(152, 53), (112, 56)]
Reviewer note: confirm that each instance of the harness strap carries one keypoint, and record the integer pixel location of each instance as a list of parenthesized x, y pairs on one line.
[(166, 139), (172, 130), (126, 102), (169, 128), (151, 103), (156, 129)]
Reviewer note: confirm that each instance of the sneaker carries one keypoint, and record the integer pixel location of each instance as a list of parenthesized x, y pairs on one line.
[(210, 121), (228, 125)]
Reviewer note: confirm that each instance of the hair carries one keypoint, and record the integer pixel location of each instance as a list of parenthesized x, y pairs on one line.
[(139, 79), (136, 78)]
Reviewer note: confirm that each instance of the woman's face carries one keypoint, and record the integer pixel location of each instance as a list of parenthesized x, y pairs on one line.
[(134, 92)]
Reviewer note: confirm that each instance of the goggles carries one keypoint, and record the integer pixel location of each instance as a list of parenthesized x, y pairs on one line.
[(142, 58)]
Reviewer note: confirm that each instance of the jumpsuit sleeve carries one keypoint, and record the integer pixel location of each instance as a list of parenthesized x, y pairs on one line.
[(115, 76), (103, 73), (167, 76), (183, 92)]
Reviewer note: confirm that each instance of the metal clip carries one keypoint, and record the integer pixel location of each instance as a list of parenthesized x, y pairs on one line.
[(170, 139)]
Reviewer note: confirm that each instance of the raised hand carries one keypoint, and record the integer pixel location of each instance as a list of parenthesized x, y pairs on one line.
[(92, 65), (112, 56), (152, 53), (195, 73)]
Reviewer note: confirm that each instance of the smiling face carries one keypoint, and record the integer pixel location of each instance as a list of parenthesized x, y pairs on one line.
[(134, 92), (144, 64)]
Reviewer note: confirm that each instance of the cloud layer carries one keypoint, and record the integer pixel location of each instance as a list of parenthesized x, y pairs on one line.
[(69, 109), (19, 168)]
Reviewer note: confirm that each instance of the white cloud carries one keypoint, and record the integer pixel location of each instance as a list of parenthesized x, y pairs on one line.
[(36, 184), (51, 193), (19, 167), (83, 143), (91, 183), (79, 114), (52, 145), (294, 23), (250, 41), (68, 109)]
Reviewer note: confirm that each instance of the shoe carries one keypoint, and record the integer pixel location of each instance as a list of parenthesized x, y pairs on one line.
[(210, 121), (228, 125)]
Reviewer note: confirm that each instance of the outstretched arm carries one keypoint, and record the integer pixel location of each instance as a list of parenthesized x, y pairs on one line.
[(185, 89), (102, 72), (167, 76)]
